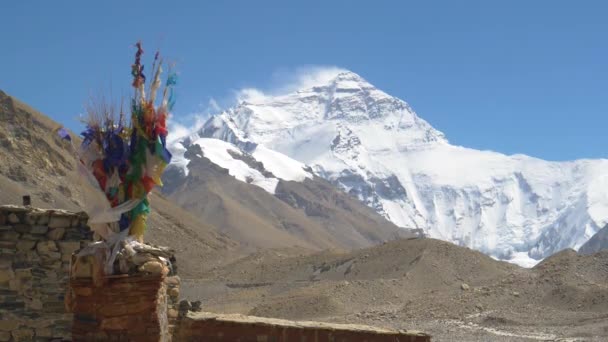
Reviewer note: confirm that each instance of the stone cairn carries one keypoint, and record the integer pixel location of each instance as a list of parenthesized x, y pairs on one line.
[(36, 247), (138, 302)]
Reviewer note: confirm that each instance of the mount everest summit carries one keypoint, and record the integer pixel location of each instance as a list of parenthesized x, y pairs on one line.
[(376, 148)]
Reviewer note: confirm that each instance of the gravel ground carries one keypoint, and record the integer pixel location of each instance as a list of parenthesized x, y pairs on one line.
[(453, 293)]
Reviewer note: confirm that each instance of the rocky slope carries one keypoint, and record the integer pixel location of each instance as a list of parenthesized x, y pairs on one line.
[(34, 162), (451, 292), (598, 242), (374, 146), (269, 207)]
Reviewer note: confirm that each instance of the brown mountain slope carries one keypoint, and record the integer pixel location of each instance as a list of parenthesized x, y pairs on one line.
[(34, 162), (454, 293), (598, 242), (311, 214)]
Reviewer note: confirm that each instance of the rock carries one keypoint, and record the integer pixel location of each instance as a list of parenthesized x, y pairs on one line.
[(142, 258), (14, 285), (39, 229), (23, 274), (46, 247), (5, 262), (184, 306), (41, 323), (36, 304), (6, 274), (9, 235), (9, 324), (174, 292), (196, 306), (23, 335), (173, 281), (60, 222), (13, 218), (44, 332), (68, 247), (32, 237), (464, 287), (56, 234), (516, 294), (51, 261), (479, 307), (25, 245), (22, 228), (5, 336), (154, 267), (43, 220), (172, 313), (7, 245), (31, 219)]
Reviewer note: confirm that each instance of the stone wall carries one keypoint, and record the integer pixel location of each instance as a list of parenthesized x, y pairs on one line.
[(223, 328), (172, 282), (35, 251)]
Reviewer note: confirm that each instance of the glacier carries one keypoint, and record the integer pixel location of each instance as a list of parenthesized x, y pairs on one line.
[(374, 146)]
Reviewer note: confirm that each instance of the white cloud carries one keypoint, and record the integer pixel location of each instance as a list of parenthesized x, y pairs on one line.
[(176, 131), (286, 81), (214, 106), (252, 95), (305, 77)]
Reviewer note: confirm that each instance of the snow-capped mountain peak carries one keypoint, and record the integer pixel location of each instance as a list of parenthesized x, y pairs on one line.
[(375, 147), (346, 100)]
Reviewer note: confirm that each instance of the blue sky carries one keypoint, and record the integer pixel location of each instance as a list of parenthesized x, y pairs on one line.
[(512, 76)]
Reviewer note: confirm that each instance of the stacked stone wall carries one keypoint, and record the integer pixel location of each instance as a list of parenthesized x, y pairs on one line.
[(36, 247)]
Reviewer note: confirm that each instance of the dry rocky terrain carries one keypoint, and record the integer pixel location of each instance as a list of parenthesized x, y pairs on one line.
[(453, 293)]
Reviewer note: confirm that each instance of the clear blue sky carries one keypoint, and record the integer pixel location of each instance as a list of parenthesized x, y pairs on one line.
[(512, 76)]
